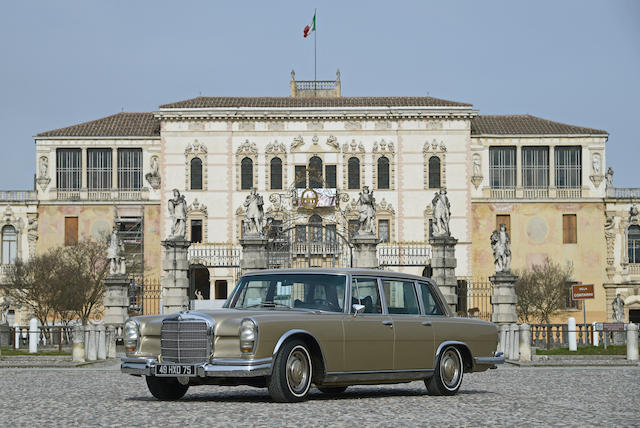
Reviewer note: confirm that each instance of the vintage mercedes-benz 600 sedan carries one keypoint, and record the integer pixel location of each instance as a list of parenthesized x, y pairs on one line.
[(288, 329)]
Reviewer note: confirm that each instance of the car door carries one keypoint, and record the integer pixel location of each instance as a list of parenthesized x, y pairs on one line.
[(368, 336), (434, 316), (413, 349)]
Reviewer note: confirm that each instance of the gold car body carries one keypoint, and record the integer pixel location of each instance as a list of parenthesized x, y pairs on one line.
[(347, 348)]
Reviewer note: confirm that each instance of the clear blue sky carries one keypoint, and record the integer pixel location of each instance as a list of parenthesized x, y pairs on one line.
[(65, 62)]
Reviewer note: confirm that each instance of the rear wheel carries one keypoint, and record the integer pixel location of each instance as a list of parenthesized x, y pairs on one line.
[(332, 389), (166, 388), (292, 371), (447, 378)]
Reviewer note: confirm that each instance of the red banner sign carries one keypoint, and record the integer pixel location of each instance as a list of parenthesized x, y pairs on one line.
[(582, 291)]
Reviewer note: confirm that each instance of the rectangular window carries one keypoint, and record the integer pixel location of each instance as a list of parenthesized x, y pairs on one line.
[(69, 169), (430, 228), (330, 173), (220, 289), (301, 177), (99, 169), (429, 301), (569, 229), (383, 230), (196, 230), (568, 167), (504, 219), (401, 297), (130, 169), (330, 232), (365, 292), (502, 167), (354, 226), (70, 230), (535, 167)]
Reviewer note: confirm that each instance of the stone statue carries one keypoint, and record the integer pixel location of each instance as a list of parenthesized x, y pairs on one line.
[(293, 75), (153, 177), (477, 171), (115, 251), (501, 245), (4, 315), (366, 206), (253, 223), (44, 166), (595, 164), (178, 212), (618, 309), (441, 214), (634, 214), (609, 177)]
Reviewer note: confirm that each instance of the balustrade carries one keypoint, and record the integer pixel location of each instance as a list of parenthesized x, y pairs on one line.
[(404, 254)]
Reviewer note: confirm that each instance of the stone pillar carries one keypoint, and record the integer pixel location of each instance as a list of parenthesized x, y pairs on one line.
[(16, 336), (101, 338), (175, 282), (503, 299), (515, 344), (632, 342), (254, 253), (111, 341), (5, 335), (364, 251), (525, 342), (77, 354), (444, 263), (116, 299), (573, 334), (91, 350), (502, 339), (34, 334)]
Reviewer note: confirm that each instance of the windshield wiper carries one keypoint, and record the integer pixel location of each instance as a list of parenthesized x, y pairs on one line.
[(268, 304)]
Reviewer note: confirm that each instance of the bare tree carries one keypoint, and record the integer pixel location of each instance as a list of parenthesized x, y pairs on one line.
[(541, 290)]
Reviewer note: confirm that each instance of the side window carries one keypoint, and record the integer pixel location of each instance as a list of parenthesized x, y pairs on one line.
[(429, 302), (401, 297), (365, 292)]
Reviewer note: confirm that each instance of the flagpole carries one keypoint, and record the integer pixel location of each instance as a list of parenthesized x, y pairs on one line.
[(315, 53)]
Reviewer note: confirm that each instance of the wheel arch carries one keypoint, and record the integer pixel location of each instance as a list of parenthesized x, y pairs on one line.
[(317, 356), (465, 352)]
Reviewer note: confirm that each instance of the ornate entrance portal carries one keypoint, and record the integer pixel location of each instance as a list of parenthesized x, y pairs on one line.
[(310, 245)]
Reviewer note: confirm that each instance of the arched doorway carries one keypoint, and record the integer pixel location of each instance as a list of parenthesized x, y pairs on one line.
[(199, 283)]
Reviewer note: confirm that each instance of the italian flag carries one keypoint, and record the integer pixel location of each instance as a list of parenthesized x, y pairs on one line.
[(311, 27)]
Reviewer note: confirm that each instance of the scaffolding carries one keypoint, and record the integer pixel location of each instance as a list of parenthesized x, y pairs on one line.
[(131, 232)]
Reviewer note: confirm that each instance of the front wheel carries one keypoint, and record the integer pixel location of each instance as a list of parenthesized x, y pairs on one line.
[(166, 388), (447, 378), (292, 371)]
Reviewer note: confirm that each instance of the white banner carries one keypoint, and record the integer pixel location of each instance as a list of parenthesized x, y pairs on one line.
[(324, 197)]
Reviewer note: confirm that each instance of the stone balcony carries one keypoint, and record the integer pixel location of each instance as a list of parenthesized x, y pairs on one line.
[(623, 192), (17, 195), (101, 195), (533, 193)]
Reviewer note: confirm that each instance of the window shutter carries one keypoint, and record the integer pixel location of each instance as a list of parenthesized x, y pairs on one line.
[(504, 219), (70, 230)]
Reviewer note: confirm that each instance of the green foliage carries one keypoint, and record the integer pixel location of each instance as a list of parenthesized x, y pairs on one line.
[(586, 350), (541, 291)]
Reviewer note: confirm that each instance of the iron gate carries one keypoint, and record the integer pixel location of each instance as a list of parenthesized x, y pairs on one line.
[(309, 245)]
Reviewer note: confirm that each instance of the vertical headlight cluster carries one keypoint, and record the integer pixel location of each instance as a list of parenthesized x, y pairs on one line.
[(248, 336), (131, 335)]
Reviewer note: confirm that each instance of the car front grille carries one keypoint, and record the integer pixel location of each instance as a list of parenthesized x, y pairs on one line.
[(185, 341)]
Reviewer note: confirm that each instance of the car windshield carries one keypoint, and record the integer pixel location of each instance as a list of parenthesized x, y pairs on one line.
[(291, 291)]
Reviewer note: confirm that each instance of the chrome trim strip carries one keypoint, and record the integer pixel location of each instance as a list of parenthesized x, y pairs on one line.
[(290, 333), (382, 371), (377, 376), (497, 358), (455, 342), (218, 367)]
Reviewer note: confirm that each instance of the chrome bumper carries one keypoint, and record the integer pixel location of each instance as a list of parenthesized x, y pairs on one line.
[(215, 368), (497, 358)]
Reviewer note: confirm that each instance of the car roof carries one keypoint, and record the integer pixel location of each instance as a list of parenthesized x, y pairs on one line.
[(341, 271)]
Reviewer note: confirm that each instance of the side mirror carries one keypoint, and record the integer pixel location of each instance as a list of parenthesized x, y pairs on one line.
[(357, 309)]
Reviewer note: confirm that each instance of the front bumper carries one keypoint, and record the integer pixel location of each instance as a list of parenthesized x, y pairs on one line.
[(497, 358), (217, 367)]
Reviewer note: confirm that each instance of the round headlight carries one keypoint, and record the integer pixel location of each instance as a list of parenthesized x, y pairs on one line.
[(131, 335), (248, 336)]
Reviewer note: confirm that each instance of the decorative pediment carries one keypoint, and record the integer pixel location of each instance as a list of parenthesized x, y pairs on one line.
[(247, 148), (276, 148), (197, 207), (383, 147), (297, 143), (353, 147), (384, 206), (195, 148), (434, 147)]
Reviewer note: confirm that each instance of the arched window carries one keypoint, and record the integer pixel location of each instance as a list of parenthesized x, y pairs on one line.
[(315, 173), (315, 226), (383, 173), (353, 173), (633, 239), (246, 174), (9, 245), (276, 173), (434, 172), (196, 174)]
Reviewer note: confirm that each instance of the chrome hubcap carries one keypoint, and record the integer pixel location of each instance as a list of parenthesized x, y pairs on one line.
[(450, 368), (298, 372)]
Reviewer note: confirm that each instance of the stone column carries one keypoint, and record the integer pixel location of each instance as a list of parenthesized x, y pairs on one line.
[(111, 341), (632, 342), (254, 253), (503, 299), (77, 354), (101, 341), (116, 299), (91, 348), (175, 282), (525, 342), (34, 334), (444, 263), (364, 251)]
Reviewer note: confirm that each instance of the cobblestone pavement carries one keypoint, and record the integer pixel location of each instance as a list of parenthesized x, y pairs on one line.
[(509, 396)]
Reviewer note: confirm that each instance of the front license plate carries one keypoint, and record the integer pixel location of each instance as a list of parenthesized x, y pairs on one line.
[(175, 370)]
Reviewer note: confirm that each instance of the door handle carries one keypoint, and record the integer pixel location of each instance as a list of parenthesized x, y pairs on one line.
[(389, 323), (426, 323)]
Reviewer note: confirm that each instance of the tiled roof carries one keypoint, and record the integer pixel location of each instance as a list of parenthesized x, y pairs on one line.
[(524, 124), (117, 125), (266, 102)]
